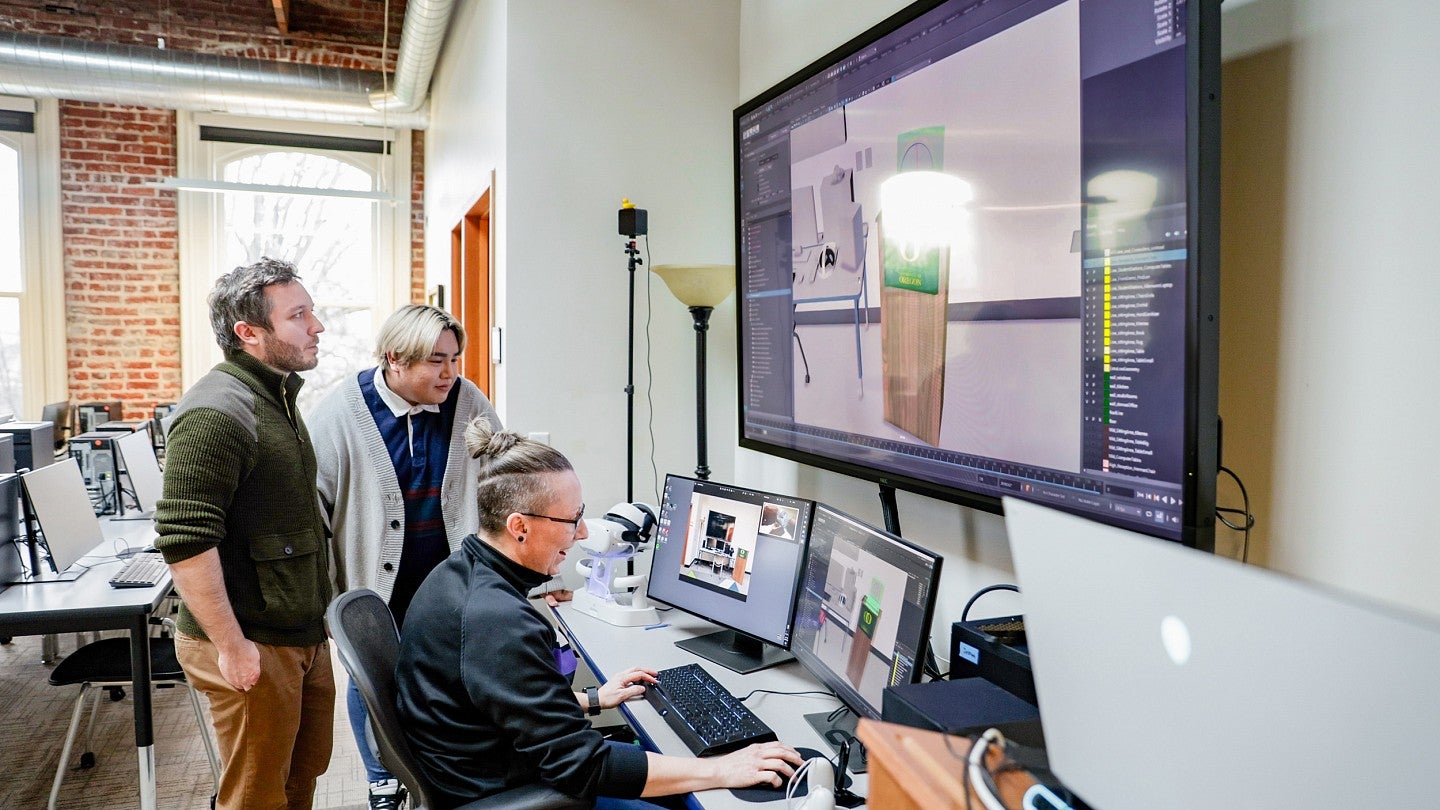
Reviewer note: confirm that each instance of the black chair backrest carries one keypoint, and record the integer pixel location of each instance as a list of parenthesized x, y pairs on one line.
[(368, 643)]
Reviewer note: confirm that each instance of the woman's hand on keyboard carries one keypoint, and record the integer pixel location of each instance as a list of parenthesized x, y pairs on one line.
[(628, 685)]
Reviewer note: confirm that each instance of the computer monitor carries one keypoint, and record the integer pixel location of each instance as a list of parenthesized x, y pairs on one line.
[(862, 620), (67, 519), (978, 252), (733, 556), (91, 415), (58, 414), (10, 528), (142, 470)]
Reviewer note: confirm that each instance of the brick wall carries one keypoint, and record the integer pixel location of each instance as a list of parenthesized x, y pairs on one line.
[(122, 269), (121, 259)]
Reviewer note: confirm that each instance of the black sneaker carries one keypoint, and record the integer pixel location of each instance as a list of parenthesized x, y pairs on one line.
[(387, 795)]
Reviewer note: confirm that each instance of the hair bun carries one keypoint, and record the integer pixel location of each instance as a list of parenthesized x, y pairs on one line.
[(483, 440)]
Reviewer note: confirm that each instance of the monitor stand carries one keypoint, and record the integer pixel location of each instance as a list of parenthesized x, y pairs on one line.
[(735, 651), (833, 732), (45, 577)]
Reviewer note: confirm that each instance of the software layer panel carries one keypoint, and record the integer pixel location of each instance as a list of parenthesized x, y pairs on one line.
[(914, 299)]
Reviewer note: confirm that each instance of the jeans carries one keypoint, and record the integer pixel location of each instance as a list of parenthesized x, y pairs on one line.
[(359, 719)]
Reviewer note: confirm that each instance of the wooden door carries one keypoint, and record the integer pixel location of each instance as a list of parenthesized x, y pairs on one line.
[(470, 285)]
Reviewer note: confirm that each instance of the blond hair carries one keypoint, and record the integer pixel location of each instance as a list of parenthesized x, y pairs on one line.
[(411, 332)]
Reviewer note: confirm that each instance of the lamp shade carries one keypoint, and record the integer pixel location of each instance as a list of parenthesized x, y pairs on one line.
[(698, 285)]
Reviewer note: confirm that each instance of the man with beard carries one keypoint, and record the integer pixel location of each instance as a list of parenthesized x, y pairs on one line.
[(241, 528)]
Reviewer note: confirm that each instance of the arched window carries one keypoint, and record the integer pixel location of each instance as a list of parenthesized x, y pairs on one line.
[(345, 247)]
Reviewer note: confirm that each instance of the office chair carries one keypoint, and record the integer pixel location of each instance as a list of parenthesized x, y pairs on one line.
[(104, 665), (369, 646), (837, 271)]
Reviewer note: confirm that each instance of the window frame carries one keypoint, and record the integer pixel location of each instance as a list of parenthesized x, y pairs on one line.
[(200, 216), (43, 356)]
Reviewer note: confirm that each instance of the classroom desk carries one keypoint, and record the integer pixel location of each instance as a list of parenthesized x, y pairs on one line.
[(88, 604), (610, 649)]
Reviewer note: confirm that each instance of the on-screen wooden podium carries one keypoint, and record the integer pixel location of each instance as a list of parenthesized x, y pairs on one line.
[(915, 768)]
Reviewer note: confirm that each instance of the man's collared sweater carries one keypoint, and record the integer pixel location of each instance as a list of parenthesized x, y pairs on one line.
[(240, 478)]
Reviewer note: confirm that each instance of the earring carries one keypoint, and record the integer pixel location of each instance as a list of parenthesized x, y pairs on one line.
[(520, 538)]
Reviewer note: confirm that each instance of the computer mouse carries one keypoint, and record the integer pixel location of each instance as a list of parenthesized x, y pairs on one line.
[(766, 793)]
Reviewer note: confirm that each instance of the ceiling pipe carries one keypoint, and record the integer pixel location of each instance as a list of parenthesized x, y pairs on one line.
[(44, 66), (426, 22)]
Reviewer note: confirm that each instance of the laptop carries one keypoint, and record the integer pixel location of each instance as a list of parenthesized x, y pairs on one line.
[(1174, 678), (67, 519), (137, 459)]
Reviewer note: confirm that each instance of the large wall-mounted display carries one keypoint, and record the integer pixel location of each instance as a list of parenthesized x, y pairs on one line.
[(978, 257)]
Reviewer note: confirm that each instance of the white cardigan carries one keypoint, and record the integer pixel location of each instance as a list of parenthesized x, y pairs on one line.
[(360, 494)]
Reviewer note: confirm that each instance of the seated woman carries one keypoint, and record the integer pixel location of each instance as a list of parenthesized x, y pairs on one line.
[(485, 705)]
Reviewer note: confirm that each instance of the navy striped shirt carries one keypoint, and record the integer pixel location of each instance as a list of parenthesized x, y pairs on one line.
[(418, 451)]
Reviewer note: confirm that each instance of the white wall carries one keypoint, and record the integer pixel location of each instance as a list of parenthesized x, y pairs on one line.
[(465, 145), (1350, 413), (602, 100)]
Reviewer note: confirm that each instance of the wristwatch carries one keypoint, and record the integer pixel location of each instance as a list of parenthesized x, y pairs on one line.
[(592, 693)]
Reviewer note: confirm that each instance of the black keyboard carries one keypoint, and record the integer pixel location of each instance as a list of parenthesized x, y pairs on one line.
[(703, 713), (142, 571)]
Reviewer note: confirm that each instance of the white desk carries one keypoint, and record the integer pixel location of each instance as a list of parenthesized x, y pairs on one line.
[(610, 649), (89, 603)]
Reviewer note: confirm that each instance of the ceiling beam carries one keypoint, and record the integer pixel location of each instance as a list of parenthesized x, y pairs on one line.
[(282, 15)]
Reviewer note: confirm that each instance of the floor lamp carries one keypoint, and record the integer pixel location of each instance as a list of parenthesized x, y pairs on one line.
[(701, 287)]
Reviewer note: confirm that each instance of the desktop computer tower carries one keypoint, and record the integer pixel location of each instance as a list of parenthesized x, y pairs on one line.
[(34, 443), (7, 453), (91, 415), (128, 427), (95, 453), (10, 529)]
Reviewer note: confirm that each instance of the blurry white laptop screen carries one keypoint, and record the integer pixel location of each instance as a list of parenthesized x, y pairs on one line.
[(1171, 678), (62, 505), (141, 467)]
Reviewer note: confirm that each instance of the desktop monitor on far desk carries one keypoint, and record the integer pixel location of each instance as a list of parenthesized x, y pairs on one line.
[(10, 528), (862, 621), (141, 469), (733, 556), (62, 506)]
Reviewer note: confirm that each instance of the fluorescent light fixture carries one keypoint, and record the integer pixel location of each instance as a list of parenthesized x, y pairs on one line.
[(224, 187)]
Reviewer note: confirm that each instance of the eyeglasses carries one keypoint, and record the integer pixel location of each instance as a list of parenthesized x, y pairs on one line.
[(575, 521)]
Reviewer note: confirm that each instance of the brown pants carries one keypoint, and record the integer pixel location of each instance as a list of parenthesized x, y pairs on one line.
[(274, 739)]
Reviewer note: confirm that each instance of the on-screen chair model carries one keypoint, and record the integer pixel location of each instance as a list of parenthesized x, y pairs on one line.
[(369, 645), (830, 265)]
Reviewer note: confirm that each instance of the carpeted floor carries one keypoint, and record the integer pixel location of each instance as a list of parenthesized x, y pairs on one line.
[(32, 732)]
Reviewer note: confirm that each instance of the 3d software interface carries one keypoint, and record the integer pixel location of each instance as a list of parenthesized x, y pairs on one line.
[(729, 554), (1040, 350), (861, 606)]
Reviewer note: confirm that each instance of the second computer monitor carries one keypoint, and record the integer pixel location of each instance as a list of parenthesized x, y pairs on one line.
[(733, 556), (862, 620)]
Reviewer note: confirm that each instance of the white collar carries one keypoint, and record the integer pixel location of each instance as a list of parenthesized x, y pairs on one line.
[(396, 403)]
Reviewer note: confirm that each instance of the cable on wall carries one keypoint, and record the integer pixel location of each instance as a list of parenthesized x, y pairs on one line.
[(1249, 517)]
